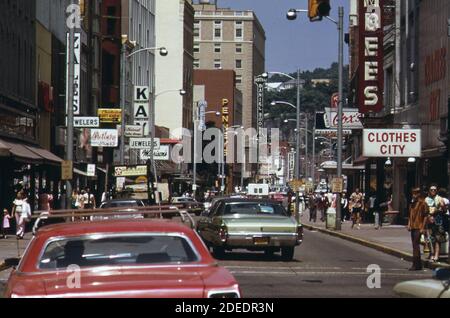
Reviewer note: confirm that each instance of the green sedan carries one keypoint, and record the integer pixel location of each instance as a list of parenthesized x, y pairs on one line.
[(252, 224)]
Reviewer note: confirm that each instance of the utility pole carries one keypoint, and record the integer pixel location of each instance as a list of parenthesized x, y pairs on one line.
[(297, 147), (313, 166), (123, 63), (340, 109), (70, 82)]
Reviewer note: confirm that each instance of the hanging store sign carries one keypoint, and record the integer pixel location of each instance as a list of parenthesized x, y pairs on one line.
[(371, 77), (260, 84), (351, 118), (86, 122), (110, 115), (392, 143), (104, 138), (130, 171), (161, 154), (144, 143), (134, 131), (76, 72)]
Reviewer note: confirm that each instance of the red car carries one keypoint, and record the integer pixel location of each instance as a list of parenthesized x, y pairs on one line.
[(120, 258)]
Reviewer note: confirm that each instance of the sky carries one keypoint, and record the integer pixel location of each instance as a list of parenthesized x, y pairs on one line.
[(299, 43)]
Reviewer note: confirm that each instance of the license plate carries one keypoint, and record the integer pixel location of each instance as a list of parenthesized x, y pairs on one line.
[(261, 240)]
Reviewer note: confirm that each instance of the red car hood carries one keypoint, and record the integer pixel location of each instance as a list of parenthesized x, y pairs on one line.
[(174, 282)]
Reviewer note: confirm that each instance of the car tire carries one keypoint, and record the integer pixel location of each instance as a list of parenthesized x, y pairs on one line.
[(287, 253), (219, 252)]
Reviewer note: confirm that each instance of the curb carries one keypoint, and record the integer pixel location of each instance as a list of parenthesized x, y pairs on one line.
[(376, 246)]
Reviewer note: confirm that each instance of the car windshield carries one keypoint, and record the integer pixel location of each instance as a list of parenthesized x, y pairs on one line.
[(250, 208), (117, 250)]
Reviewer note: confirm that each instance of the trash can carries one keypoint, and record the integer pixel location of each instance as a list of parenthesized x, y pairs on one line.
[(331, 219)]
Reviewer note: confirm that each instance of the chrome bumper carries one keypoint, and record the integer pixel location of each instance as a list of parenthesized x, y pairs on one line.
[(275, 240)]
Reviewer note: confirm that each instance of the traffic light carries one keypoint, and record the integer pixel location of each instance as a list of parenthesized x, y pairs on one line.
[(318, 9)]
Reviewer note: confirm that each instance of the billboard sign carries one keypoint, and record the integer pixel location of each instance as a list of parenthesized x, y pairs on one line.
[(392, 143)]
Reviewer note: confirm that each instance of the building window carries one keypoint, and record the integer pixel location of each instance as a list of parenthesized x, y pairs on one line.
[(197, 29), (217, 64), (238, 64), (239, 30), (196, 47), (238, 48), (196, 63), (217, 48), (111, 20), (238, 79), (217, 30)]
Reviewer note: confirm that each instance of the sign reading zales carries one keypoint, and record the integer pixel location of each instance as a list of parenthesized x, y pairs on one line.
[(392, 143), (371, 77)]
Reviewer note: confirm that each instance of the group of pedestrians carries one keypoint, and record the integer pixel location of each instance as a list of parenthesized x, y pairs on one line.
[(428, 223), (84, 199)]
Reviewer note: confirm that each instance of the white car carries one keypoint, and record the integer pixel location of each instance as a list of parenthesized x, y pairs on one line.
[(437, 287)]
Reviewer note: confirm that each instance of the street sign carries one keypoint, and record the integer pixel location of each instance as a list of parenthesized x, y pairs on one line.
[(337, 185), (67, 170), (144, 143), (296, 184), (134, 131), (86, 122), (110, 115), (392, 143)]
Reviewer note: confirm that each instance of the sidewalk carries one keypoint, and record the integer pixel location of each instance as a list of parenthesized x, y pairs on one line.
[(391, 239), (12, 248)]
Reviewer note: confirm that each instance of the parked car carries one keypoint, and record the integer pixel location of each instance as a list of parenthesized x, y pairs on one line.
[(252, 224), (190, 204), (120, 203), (119, 258), (437, 287)]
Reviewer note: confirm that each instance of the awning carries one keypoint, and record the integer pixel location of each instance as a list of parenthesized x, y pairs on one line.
[(45, 154), (29, 154), (22, 152)]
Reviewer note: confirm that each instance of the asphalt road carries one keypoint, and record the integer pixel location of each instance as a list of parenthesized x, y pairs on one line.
[(323, 266)]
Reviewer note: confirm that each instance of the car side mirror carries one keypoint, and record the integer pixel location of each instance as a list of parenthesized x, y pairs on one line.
[(12, 262), (441, 274)]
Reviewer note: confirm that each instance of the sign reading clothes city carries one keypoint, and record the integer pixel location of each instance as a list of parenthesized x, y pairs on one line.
[(371, 73), (392, 143)]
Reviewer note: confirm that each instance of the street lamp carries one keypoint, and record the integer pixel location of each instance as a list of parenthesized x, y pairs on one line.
[(292, 15)]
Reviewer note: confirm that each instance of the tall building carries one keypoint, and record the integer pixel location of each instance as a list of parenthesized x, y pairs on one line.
[(231, 40), (174, 72)]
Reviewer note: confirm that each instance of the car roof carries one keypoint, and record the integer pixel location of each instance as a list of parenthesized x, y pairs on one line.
[(248, 200), (122, 200), (112, 226)]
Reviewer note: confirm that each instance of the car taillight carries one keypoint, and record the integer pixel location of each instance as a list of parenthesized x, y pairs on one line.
[(233, 292), (223, 234), (300, 234)]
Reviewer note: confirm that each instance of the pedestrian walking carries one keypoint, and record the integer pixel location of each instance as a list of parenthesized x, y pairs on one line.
[(312, 208), (373, 209), (356, 204), (6, 224), (416, 225), (321, 206), (344, 207), (435, 222), (22, 214)]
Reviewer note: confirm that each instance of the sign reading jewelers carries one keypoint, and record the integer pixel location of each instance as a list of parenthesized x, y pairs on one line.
[(392, 143), (371, 77)]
